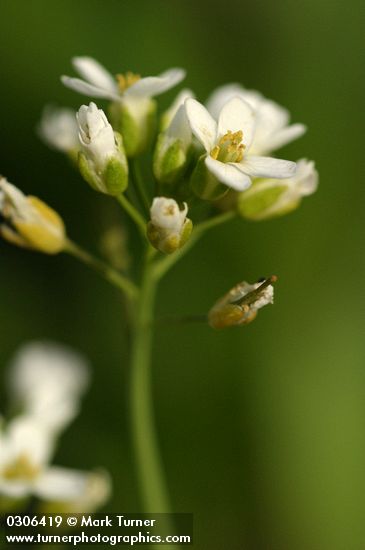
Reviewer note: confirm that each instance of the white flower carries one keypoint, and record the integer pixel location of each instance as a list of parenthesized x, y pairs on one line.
[(96, 134), (228, 144), (169, 228), (58, 129), (100, 83), (28, 222), (47, 381), (166, 214), (169, 114), (272, 121), (26, 448), (268, 198)]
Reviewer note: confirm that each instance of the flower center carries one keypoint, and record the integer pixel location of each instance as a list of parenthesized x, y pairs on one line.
[(229, 148), (21, 469), (169, 210), (126, 80)]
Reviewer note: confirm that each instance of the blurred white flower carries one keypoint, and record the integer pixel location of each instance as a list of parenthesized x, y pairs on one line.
[(272, 128), (98, 82), (58, 129), (26, 448), (228, 144), (47, 381)]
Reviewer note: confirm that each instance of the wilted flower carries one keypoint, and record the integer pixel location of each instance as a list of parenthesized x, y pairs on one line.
[(46, 381), (169, 227), (133, 110), (268, 198), (28, 222), (240, 305), (102, 161), (58, 129), (272, 129), (227, 144)]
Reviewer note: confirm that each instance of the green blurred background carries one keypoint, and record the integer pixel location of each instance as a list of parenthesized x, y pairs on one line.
[(263, 428)]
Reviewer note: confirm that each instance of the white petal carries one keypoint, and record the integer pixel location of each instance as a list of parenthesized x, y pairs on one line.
[(228, 174), (61, 484), (223, 94), (58, 128), (306, 177), (286, 135), (237, 115), (267, 167), (88, 89), (27, 436), (172, 110), (47, 380), (15, 489), (180, 127), (155, 85), (203, 126), (95, 73)]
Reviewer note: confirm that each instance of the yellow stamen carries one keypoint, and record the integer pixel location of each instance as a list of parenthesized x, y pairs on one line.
[(229, 148), (21, 469), (125, 81)]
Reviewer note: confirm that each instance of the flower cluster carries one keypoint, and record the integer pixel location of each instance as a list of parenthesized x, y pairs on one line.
[(46, 382), (203, 157)]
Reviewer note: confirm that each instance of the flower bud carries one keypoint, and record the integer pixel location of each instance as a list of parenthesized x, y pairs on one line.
[(171, 157), (240, 305), (169, 228), (102, 161), (169, 114), (269, 198), (28, 222), (135, 119)]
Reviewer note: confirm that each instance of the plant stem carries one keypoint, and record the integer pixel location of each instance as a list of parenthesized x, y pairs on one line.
[(139, 186), (133, 214), (105, 270), (149, 467)]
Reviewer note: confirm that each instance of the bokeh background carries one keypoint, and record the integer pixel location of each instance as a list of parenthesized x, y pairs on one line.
[(263, 428)]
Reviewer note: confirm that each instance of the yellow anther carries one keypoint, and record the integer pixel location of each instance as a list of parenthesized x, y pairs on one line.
[(229, 148), (21, 469), (125, 81)]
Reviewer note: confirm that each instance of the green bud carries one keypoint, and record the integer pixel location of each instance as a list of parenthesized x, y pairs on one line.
[(269, 198), (170, 161)]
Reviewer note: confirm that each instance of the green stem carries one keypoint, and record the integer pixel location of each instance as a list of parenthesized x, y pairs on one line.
[(139, 186), (148, 460), (106, 271), (133, 213), (162, 266)]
